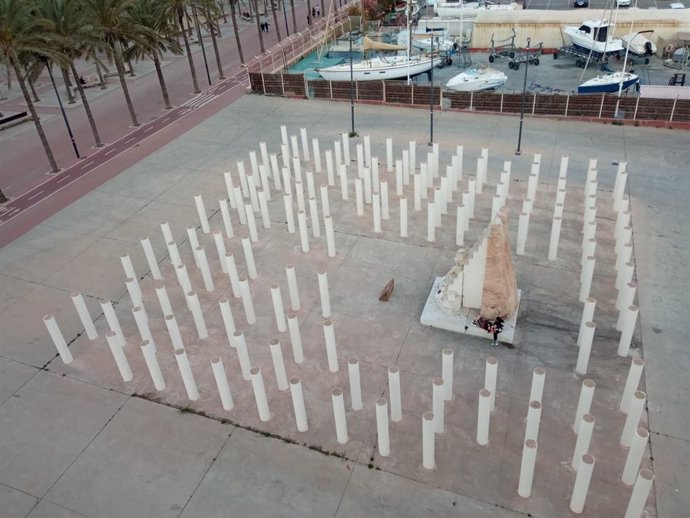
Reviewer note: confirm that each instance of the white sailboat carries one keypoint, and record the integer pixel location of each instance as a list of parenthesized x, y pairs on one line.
[(477, 78), (421, 40), (468, 10), (594, 35), (379, 67), (608, 83)]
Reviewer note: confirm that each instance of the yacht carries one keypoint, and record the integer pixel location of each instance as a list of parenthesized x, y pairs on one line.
[(608, 83), (476, 79), (378, 68), (467, 10), (594, 35)]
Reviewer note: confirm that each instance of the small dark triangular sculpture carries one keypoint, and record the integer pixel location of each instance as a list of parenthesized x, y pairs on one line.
[(387, 291)]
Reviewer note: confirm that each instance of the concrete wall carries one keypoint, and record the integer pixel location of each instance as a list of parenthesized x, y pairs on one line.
[(545, 26)]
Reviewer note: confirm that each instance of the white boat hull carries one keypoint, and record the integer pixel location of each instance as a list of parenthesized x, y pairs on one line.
[(609, 83), (474, 80), (585, 41), (638, 44), (377, 69), (468, 10)]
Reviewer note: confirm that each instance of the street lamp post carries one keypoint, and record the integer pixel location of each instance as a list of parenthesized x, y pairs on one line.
[(62, 108), (522, 105), (201, 42), (352, 89)]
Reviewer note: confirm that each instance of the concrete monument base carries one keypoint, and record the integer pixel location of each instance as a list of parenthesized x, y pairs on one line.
[(433, 315)]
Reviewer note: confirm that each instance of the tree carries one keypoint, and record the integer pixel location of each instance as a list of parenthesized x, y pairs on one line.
[(275, 19), (294, 17), (209, 8), (112, 20), (258, 27), (233, 15), (176, 10), (160, 38), (23, 35), (67, 18)]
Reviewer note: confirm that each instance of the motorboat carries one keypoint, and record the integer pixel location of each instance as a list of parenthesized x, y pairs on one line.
[(477, 78), (638, 44), (469, 10), (421, 40), (608, 83), (378, 68), (594, 35), (401, 7)]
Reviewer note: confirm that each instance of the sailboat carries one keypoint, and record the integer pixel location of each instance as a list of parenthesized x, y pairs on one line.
[(421, 40), (608, 83), (468, 10), (380, 67)]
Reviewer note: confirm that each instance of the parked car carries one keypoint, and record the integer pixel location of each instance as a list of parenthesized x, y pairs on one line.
[(623, 3), (581, 3)]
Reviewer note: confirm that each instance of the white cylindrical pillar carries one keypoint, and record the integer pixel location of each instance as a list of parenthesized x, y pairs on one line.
[(298, 403), (627, 329), (537, 390), (344, 189), (533, 420), (187, 374), (376, 211), (142, 323), (193, 243), (134, 292), (163, 299), (640, 493), (529, 459), (417, 192), (587, 316), (483, 417), (231, 268), (385, 212), (490, 377), (460, 225), (174, 332), (584, 403), (389, 155), (251, 223), (447, 373), (113, 322), (330, 236), (182, 278), (278, 310), (263, 206), (438, 402), (239, 201), (626, 297), (331, 353), (228, 318), (339, 414), (295, 338), (314, 217), (278, 364), (128, 267), (325, 202), (292, 287), (195, 308), (555, 236), (582, 480), (383, 434), (289, 215), (585, 347), (395, 393), (355, 384), (203, 217), (119, 355), (174, 253), (222, 383), (428, 440), (619, 190), (84, 315), (586, 278), (225, 213), (240, 345), (167, 233), (324, 294), (58, 339), (584, 438), (205, 270), (247, 302), (303, 232), (431, 221), (403, 216), (151, 258), (148, 349), (635, 455), (625, 274), (632, 421), (589, 247), (523, 225), (260, 394), (330, 176), (532, 186), (631, 384)]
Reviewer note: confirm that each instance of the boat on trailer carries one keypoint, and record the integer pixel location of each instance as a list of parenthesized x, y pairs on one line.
[(468, 10), (608, 83), (378, 68), (594, 35), (476, 79)]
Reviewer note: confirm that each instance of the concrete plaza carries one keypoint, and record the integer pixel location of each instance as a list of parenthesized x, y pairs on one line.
[(77, 441)]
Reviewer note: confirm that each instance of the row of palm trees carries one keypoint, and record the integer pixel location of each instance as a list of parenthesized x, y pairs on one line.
[(36, 34)]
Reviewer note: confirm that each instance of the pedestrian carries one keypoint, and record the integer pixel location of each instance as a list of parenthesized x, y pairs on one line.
[(266, 24), (318, 11), (313, 12)]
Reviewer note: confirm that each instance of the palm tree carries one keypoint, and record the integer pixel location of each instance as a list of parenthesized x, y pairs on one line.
[(67, 18), (159, 39), (275, 19), (22, 34), (176, 11), (233, 15), (209, 8), (258, 27), (112, 20), (294, 18)]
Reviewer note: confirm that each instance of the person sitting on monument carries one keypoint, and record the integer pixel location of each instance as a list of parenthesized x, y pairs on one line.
[(496, 328)]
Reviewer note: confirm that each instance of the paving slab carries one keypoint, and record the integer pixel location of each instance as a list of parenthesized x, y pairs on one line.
[(50, 410), (46, 509), (147, 461), (14, 503)]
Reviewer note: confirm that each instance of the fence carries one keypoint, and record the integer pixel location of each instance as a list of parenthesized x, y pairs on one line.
[(400, 93)]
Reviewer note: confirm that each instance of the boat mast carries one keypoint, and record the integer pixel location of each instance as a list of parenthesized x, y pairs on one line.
[(408, 15)]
